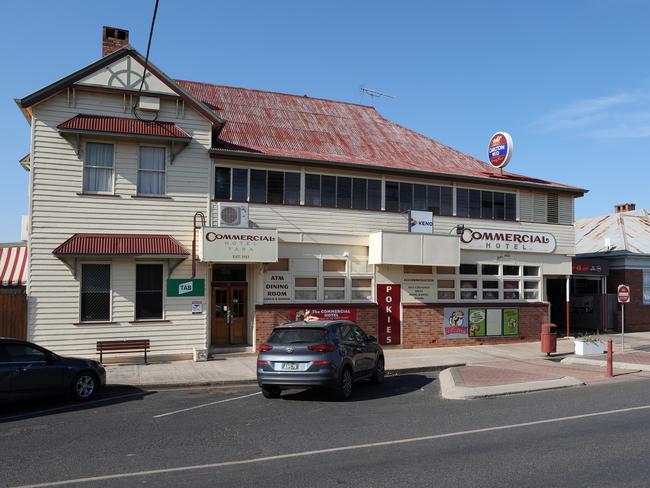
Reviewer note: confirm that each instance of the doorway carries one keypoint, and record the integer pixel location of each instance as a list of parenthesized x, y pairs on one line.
[(556, 295), (229, 317)]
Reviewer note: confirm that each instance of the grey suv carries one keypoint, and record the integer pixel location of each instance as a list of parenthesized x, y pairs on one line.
[(323, 353)]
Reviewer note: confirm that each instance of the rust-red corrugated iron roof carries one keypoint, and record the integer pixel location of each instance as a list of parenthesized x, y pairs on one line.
[(292, 126), (121, 245), (118, 125)]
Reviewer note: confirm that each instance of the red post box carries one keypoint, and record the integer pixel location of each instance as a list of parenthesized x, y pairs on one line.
[(549, 338)]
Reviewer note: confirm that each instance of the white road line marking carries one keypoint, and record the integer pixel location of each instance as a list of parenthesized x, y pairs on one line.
[(205, 405), (331, 450), (71, 407)]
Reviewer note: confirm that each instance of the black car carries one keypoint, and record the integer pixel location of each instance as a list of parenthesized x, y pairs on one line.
[(28, 371), (325, 353)]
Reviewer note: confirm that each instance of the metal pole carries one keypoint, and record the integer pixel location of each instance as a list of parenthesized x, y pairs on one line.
[(568, 307), (622, 327), (610, 358)]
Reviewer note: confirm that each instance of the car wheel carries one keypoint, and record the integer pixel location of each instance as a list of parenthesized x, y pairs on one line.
[(271, 391), (378, 376), (344, 388), (84, 386)]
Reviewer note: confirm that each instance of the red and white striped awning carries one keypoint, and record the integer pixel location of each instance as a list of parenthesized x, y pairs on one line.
[(13, 266)]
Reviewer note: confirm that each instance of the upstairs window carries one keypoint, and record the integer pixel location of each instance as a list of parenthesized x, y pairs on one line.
[(98, 168), (257, 186), (151, 171), (483, 204)]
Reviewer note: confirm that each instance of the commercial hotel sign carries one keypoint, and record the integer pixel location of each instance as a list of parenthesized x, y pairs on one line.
[(239, 245), (507, 240)]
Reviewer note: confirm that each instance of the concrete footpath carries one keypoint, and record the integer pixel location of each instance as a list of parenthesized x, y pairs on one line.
[(466, 372)]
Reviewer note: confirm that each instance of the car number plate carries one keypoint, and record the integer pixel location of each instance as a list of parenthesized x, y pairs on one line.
[(290, 366)]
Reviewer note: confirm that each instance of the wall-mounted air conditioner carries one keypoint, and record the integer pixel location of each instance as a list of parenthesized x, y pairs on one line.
[(232, 214), (151, 104)]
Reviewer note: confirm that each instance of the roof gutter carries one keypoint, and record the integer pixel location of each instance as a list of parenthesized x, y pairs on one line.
[(230, 154)]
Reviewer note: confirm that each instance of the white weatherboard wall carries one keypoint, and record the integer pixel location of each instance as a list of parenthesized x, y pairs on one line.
[(58, 212)]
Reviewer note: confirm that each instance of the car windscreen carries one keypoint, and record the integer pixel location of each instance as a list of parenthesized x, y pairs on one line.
[(297, 335)]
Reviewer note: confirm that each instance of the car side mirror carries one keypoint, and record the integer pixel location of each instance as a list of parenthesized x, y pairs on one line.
[(372, 339)]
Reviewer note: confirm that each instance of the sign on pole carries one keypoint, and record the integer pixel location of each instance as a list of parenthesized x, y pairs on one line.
[(623, 292)]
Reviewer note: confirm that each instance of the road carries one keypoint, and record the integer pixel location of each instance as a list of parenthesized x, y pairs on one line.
[(401, 433)]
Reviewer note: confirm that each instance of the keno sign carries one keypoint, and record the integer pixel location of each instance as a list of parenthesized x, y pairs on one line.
[(500, 149), (420, 222), (239, 245), (507, 240)]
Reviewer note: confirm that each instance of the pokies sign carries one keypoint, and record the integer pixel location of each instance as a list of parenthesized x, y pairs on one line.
[(389, 300), (500, 149)]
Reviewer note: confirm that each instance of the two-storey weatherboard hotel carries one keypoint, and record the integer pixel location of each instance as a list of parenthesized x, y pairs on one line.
[(302, 208)]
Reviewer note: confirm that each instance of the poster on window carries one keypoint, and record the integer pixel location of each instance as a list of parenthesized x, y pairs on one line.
[(510, 321), (323, 313), (456, 325), (477, 322)]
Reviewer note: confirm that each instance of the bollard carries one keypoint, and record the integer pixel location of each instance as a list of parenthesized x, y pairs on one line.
[(610, 354)]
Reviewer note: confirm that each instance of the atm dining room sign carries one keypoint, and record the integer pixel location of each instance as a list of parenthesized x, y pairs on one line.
[(222, 244), (507, 240)]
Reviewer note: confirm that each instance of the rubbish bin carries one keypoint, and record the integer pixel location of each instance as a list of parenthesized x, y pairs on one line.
[(549, 338)]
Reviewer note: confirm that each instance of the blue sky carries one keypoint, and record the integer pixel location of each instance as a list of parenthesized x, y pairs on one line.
[(570, 80)]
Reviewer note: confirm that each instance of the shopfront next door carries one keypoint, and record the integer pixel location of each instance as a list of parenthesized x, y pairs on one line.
[(229, 324)]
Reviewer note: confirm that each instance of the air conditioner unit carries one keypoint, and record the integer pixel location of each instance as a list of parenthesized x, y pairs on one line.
[(232, 214), (151, 104)]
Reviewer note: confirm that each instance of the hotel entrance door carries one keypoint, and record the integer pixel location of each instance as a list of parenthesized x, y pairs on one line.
[(229, 324)]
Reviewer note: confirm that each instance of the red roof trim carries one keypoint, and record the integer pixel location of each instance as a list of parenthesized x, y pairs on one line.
[(13, 266), (121, 245), (118, 125)]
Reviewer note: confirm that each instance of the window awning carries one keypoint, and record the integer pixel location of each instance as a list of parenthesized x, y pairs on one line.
[(13, 266), (122, 245), (98, 125)]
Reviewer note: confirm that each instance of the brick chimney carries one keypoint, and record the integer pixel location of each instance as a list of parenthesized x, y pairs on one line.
[(624, 207), (113, 39)]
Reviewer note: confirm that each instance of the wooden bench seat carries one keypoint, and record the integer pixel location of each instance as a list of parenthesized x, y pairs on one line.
[(110, 347)]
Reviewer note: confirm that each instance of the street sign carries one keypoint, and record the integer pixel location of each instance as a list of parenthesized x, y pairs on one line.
[(623, 294)]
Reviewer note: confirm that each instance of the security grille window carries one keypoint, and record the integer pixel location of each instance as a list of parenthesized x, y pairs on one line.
[(95, 292), (305, 289), (646, 287), (362, 289), (98, 168), (482, 204), (148, 291), (151, 171)]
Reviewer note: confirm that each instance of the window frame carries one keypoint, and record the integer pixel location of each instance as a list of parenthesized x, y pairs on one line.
[(493, 191), (84, 166), (162, 299), (110, 292), (164, 171)]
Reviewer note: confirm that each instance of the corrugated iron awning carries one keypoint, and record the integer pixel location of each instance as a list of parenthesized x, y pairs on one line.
[(121, 245), (13, 266), (118, 126)]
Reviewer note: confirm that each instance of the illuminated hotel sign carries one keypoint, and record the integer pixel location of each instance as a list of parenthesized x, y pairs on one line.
[(222, 244), (507, 240)]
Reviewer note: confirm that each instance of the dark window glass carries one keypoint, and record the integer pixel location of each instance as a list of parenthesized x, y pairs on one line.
[(297, 336), (462, 202), (343, 192), (222, 183), (95, 292), (405, 196), (499, 206), (419, 197), (359, 193), (374, 194), (292, 188), (486, 205), (312, 189), (148, 291), (240, 184), (359, 335), (275, 187), (468, 269), (433, 199), (22, 353), (328, 191), (392, 196), (258, 186), (475, 204), (345, 333), (511, 206), (446, 200), (229, 272)]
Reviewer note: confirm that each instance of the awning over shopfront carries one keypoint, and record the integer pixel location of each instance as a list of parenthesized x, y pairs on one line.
[(95, 125), (121, 245), (13, 266), (409, 248)]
